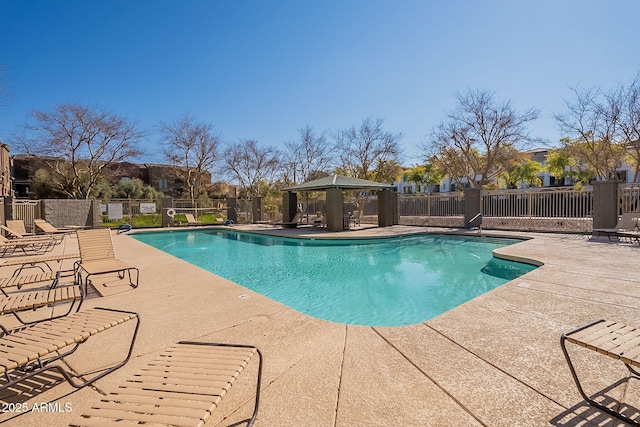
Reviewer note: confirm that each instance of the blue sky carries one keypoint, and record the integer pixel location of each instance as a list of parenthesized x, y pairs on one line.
[(264, 69)]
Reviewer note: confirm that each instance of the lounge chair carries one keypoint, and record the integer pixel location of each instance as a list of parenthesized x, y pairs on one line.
[(17, 229), (28, 246), (297, 219), (355, 218), (25, 262), (48, 228), (15, 232), (183, 386), (29, 351), (19, 302), (98, 256), (219, 219), (191, 220), (17, 225), (631, 235), (18, 281), (50, 293), (627, 222), (613, 339), (320, 221)]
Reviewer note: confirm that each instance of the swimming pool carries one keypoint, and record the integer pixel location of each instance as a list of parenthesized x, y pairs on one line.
[(377, 282)]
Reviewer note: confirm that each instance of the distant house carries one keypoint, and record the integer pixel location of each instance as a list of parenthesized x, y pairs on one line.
[(166, 179), (624, 174), (118, 171), (5, 170), (220, 190), (407, 187), (161, 177), (24, 169)]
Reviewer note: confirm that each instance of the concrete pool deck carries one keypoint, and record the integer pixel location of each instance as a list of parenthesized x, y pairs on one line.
[(493, 361)]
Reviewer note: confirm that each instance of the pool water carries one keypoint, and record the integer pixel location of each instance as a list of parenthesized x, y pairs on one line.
[(376, 282)]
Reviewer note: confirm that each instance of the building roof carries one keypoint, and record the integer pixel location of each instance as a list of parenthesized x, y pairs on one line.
[(338, 181)]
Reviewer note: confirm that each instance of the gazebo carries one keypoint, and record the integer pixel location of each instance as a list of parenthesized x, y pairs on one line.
[(334, 186)]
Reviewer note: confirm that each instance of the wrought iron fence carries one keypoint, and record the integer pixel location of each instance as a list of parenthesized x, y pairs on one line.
[(629, 198), (148, 213), (538, 209), (543, 209), (140, 213), (27, 211), (538, 202), (432, 209), (432, 204), (201, 205)]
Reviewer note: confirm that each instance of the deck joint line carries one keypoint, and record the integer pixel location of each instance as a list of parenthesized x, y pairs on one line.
[(344, 349), (444, 390), (496, 367)]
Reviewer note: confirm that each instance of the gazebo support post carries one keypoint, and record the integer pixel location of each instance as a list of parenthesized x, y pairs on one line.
[(289, 205), (387, 208), (335, 209)]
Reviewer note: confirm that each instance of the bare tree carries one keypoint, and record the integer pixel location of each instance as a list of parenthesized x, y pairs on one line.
[(630, 123), (252, 166), (593, 128), (309, 155), (78, 144), (367, 151), (476, 139), (191, 148)]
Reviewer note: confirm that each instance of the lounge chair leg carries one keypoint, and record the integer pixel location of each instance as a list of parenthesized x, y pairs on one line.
[(258, 386), (112, 368), (85, 383), (19, 270), (589, 400), (32, 322), (131, 279), (39, 365)]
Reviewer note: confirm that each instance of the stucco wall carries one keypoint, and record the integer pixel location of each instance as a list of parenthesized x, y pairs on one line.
[(63, 212)]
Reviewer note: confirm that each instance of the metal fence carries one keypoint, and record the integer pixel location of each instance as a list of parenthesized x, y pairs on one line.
[(539, 209), (129, 207), (432, 204), (538, 202), (629, 198), (432, 209), (561, 209), (201, 205), (543, 209), (27, 211), (133, 208)]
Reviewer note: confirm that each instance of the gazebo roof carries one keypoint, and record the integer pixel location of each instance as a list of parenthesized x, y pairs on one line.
[(338, 181)]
